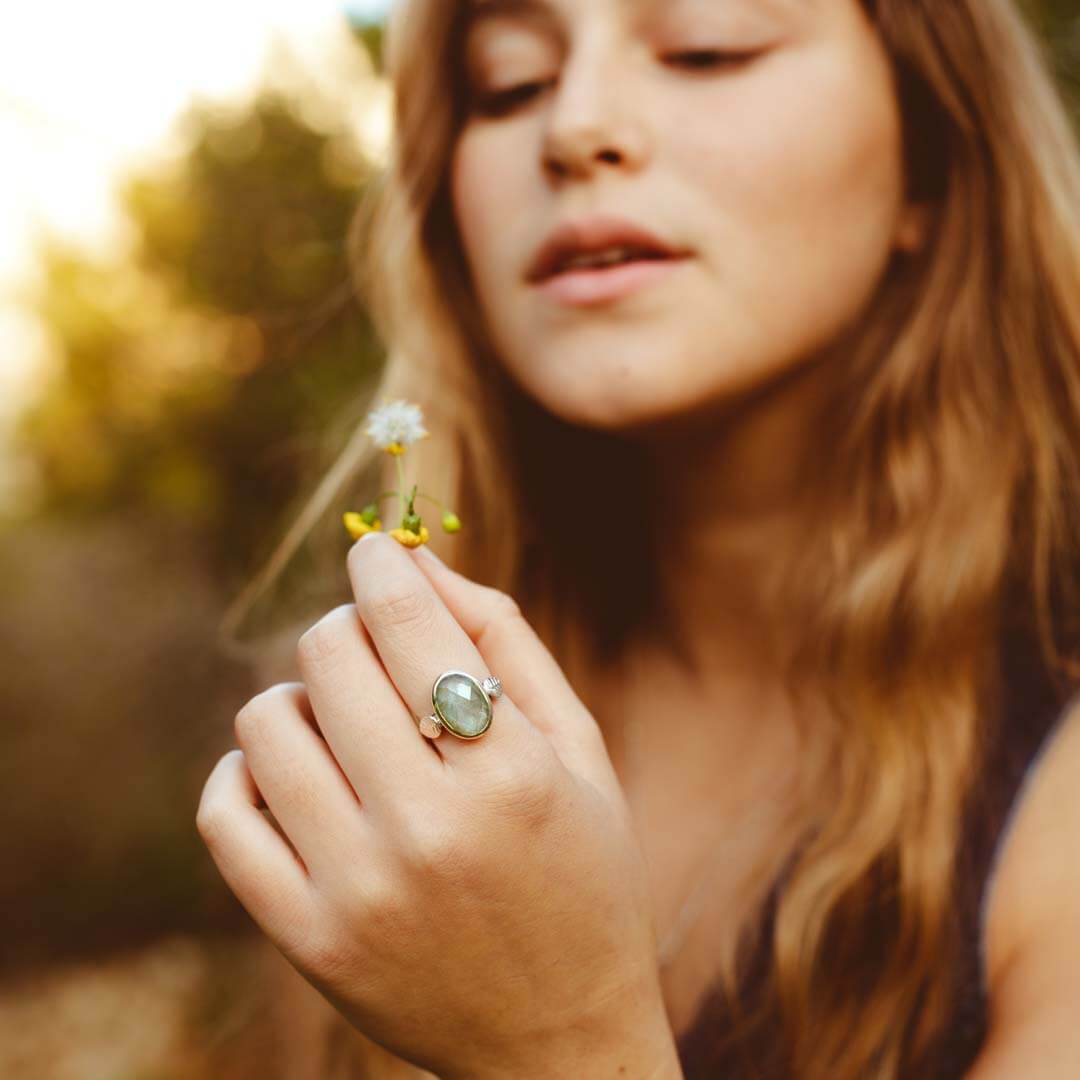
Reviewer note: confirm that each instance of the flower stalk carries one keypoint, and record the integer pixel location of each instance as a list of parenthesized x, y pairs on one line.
[(394, 428)]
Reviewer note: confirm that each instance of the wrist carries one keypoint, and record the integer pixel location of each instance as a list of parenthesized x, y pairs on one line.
[(626, 1046)]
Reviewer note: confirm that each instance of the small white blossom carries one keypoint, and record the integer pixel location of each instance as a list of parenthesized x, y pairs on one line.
[(397, 425)]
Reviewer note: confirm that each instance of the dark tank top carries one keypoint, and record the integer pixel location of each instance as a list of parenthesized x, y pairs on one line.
[(1032, 709)]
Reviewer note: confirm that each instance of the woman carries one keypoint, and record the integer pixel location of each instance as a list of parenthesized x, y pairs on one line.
[(792, 499)]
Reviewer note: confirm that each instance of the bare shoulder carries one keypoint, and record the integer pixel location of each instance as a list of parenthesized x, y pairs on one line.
[(1032, 927)]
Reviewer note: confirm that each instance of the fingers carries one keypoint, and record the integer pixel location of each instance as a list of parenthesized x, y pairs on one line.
[(302, 784), (418, 639), (361, 715), (255, 861), (514, 650)]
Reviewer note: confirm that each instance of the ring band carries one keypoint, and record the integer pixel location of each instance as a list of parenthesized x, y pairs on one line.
[(462, 704)]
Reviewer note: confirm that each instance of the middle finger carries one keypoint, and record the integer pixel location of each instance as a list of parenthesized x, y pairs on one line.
[(360, 713), (417, 639)]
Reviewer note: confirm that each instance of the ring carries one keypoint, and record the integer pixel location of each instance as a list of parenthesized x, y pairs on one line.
[(462, 705)]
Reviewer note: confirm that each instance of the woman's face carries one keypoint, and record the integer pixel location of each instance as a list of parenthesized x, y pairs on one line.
[(761, 137)]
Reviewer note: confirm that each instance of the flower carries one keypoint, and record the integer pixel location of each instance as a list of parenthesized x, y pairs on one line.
[(357, 526), (396, 426), (409, 538)]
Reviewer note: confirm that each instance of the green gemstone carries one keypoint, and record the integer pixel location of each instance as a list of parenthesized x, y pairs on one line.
[(461, 704)]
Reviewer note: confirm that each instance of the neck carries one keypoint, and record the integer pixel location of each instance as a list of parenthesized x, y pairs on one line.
[(732, 484)]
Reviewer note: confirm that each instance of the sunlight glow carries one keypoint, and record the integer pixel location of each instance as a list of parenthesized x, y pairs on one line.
[(89, 91)]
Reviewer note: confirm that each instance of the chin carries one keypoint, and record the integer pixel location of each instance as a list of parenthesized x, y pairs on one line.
[(624, 409), (631, 395)]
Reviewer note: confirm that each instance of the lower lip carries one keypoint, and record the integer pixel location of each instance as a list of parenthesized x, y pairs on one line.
[(584, 287)]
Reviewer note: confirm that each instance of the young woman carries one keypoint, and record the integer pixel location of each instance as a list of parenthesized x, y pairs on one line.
[(771, 534)]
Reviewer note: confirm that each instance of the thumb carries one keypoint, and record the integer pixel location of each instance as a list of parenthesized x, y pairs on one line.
[(533, 678)]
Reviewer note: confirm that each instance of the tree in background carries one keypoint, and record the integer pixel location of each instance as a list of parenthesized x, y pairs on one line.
[(198, 379), (1059, 23)]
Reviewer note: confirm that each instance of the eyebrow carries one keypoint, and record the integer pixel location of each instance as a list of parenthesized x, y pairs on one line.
[(479, 10)]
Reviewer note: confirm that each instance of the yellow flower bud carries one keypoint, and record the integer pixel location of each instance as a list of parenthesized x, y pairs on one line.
[(451, 523), (409, 539), (357, 526)]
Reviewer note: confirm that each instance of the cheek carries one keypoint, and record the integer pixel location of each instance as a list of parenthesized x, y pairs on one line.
[(483, 197), (805, 185)]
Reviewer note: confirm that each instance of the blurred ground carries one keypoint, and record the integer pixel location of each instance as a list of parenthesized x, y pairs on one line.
[(182, 1008), (116, 706)]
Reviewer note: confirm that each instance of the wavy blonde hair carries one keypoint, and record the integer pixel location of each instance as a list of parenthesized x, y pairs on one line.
[(946, 500)]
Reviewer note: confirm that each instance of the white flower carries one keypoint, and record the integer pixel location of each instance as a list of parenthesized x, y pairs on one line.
[(396, 426)]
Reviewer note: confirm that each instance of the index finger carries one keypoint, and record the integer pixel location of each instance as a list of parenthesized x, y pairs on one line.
[(418, 639)]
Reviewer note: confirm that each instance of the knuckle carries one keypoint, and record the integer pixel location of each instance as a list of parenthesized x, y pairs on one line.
[(246, 723), (375, 899), (503, 611), (504, 607), (211, 815), (210, 822), (320, 642), (523, 788), (397, 606), (251, 718), (320, 955), (430, 845), (380, 896)]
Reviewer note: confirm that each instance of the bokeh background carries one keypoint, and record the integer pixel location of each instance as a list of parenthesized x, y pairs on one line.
[(182, 353)]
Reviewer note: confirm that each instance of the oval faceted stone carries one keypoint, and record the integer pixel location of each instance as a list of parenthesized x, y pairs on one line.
[(461, 704)]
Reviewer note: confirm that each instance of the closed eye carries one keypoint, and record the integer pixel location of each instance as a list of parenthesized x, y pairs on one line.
[(705, 59), (501, 102)]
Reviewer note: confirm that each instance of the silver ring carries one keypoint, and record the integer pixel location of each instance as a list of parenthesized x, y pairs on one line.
[(462, 704)]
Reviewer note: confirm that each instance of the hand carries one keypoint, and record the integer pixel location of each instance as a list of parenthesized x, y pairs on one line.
[(478, 907)]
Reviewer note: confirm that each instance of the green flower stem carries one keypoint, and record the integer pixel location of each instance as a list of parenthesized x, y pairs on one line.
[(401, 483), (419, 495)]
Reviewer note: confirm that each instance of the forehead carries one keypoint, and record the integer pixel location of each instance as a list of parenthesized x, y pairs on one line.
[(478, 9), (548, 11)]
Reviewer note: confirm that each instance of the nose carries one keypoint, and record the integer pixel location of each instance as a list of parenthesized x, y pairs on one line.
[(593, 120)]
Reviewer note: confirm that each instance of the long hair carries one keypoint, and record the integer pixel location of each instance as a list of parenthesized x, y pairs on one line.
[(945, 497)]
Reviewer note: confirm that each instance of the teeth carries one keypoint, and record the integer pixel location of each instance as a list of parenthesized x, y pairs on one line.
[(604, 258)]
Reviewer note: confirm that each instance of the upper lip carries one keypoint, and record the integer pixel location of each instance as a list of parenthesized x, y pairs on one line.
[(593, 234)]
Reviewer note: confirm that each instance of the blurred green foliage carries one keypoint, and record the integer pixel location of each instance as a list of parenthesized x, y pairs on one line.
[(202, 378), (370, 35), (1058, 21), (198, 377)]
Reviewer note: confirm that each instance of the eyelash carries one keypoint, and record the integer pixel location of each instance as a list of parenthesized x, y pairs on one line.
[(503, 102)]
